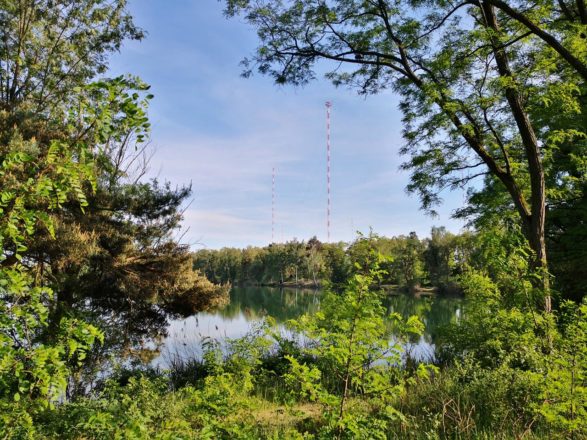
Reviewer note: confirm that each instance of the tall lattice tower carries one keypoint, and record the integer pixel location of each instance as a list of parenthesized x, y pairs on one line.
[(273, 205), (328, 203)]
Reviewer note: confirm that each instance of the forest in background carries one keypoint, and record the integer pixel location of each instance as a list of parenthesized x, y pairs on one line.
[(414, 263), (494, 97), (435, 262)]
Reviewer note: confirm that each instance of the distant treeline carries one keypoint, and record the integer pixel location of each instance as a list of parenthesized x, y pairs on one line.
[(435, 261)]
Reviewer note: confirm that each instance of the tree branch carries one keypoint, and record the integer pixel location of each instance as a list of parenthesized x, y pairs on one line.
[(549, 39)]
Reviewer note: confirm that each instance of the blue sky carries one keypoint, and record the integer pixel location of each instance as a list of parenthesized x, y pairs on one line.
[(224, 133)]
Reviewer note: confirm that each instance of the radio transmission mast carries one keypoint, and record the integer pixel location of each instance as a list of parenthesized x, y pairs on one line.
[(328, 106), (273, 205)]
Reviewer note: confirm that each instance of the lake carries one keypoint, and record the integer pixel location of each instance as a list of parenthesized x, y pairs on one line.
[(249, 305)]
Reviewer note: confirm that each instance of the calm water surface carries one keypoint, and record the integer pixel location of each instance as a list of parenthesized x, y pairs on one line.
[(248, 305)]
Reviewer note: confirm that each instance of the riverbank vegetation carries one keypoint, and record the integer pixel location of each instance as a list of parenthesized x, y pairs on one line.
[(494, 95), (413, 263), (500, 372)]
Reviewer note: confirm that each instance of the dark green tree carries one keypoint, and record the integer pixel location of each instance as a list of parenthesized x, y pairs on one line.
[(115, 261), (51, 47), (439, 256)]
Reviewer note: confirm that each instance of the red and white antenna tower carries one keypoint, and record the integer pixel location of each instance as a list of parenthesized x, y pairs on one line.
[(273, 205), (328, 106)]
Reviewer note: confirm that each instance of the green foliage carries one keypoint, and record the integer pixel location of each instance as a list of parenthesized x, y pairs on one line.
[(440, 256), (34, 182), (65, 139), (349, 338), (502, 354), (72, 154), (469, 402), (341, 376), (144, 409), (297, 263), (33, 375), (564, 398), (52, 47), (413, 262), (37, 179)]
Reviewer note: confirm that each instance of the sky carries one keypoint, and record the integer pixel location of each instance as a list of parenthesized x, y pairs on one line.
[(223, 134)]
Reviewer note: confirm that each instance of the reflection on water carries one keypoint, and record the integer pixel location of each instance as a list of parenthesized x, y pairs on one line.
[(435, 312), (250, 304)]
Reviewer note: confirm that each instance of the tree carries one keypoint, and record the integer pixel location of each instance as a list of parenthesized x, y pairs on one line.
[(38, 179), (351, 340), (338, 266), (407, 259), (471, 75), (122, 244), (71, 140), (51, 47), (314, 259), (439, 255)]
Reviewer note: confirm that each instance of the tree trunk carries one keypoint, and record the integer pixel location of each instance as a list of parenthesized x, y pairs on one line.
[(534, 224), (582, 11)]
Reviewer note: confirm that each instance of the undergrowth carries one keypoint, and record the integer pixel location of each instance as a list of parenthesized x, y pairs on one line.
[(337, 376)]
